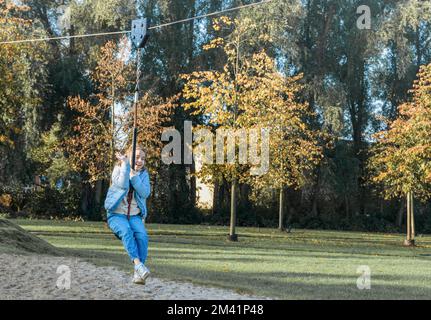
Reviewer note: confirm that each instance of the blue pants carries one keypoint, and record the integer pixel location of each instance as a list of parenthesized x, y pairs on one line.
[(132, 233)]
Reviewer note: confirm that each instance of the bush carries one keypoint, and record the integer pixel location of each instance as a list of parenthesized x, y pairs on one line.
[(13, 197), (19, 201), (423, 222)]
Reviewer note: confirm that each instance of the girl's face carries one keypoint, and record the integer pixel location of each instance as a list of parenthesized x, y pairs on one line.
[(139, 160)]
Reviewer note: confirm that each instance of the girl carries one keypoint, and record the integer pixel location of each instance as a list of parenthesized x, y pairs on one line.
[(126, 207)]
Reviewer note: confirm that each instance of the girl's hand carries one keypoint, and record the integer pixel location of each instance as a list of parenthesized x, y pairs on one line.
[(133, 173), (121, 157)]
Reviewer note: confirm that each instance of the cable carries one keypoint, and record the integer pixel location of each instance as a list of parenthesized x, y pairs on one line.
[(211, 14), (124, 32), (65, 37)]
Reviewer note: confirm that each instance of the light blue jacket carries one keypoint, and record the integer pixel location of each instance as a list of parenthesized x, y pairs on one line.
[(119, 188)]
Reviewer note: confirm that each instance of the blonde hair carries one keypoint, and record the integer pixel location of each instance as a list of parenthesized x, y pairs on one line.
[(129, 151), (139, 146)]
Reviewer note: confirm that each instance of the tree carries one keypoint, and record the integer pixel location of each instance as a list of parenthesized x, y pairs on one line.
[(401, 157), (233, 98), (171, 51), (104, 122), (50, 158), (294, 151), (154, 114), (22, 85), (93, 145)]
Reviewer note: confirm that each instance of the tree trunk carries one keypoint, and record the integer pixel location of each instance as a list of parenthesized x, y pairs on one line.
[(232, 235), (72, 50), (281, 211), (316, 190), (85, 199), (410, 221)]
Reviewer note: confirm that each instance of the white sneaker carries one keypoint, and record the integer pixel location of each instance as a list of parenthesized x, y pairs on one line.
[(137, 279), (142, 271)]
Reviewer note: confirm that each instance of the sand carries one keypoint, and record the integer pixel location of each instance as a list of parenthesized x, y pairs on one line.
[(46, 277)]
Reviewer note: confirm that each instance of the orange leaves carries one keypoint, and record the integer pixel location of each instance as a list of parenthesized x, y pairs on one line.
[(401, 157), (250, 93), (216, 43), (96, 137), (6, 141), (8, 8), (91, 148), (154, 115), (22, 73), (222, 22), (112, 74)]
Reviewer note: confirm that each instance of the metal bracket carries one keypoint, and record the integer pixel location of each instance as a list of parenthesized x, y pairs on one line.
[(140, 33)]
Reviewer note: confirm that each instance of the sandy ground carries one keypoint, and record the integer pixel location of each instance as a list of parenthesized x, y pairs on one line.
[(47, 277)]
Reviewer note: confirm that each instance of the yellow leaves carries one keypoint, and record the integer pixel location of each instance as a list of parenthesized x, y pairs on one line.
[(226, 20), (6, 200), (5, 140), (215, 43), (91, 148), (221, 22), (216, 27), (265, 37), (400, 159), (16, 130), (10, 19), (254, 94), (154, 114), (112, 72)]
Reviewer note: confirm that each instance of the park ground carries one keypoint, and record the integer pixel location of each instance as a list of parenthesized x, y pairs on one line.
[(302, 264)]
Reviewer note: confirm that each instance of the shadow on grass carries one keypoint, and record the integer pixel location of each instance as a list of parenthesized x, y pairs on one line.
[(225, 247), (300, 285), (284, 285)]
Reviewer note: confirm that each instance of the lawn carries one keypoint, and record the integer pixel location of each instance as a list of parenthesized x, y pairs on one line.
[(304, 264)]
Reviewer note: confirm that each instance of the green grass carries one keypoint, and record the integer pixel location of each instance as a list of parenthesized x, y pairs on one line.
[(301, 265)]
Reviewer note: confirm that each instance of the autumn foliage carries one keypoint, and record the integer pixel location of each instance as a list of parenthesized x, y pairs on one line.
[(401, 160), (15, 70), (250, 93), (105, 119)]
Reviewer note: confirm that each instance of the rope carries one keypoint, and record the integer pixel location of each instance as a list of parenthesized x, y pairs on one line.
[(124, 32)]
